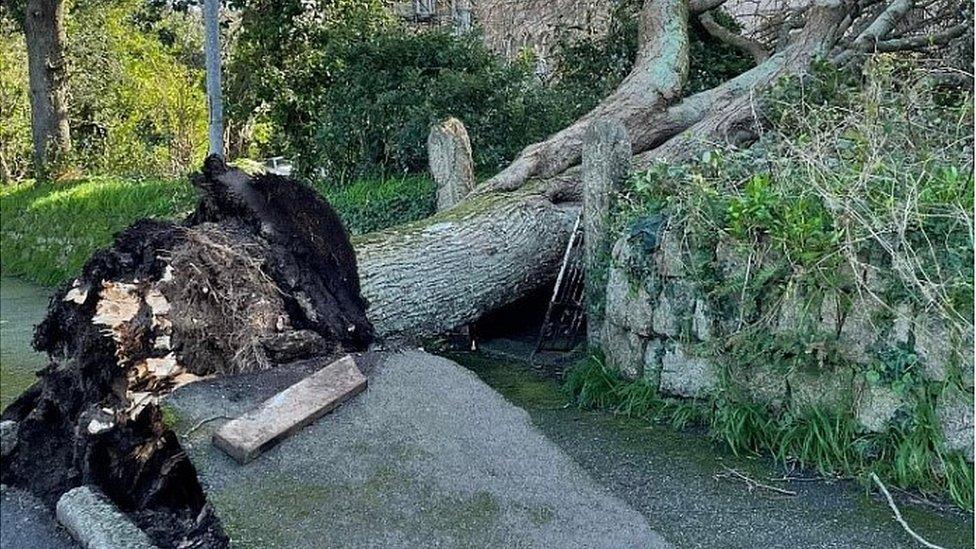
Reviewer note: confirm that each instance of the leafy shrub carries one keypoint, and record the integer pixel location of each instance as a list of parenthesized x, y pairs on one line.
[(355, 93), (851, 171), (847, 172), (136, 103), (136, 94), (15, 132), (368, 205)]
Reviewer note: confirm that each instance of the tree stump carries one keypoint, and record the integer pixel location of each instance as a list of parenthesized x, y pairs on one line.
[(449, 156), (606, 164)]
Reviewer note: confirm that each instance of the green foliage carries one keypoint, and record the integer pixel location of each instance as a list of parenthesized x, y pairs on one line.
[(351, 92), (897, 368), (850, 171), (369, 205), (743, 426), (15, 132), (136, 103), (592, 384), (48, 230), (136, 93)]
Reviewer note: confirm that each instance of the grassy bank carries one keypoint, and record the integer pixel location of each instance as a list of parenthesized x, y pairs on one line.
[(48, 230)]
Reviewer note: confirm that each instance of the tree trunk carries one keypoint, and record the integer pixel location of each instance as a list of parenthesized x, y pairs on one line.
[(44, 30), (428, 277)]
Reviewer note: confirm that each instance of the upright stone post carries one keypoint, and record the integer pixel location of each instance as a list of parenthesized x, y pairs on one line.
[(449, 157), (606, 164)]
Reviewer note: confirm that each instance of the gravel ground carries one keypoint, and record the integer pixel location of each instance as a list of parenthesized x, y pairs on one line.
[(428, 456), (25, 523)]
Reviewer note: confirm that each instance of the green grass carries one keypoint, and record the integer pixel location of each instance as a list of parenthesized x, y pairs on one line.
[(908, 455), (371, 204), (48, 230)]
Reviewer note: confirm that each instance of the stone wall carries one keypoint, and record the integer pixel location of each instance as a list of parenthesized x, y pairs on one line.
[(510, 26), (665, 325)]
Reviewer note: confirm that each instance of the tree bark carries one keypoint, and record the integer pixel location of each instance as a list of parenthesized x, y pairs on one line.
[(47, 73), (428, 277)]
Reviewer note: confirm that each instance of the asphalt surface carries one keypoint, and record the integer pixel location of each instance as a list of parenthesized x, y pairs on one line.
[(681, 481), (25, 523), (428, 456)]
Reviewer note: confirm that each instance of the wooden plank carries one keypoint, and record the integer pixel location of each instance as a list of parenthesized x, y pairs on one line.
[(282, 415)]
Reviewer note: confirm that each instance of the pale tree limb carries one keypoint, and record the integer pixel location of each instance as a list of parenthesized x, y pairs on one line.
[(727, 113), (701, 6), (923, 41), (879, 29), (724, 114), (752, 47), (898, 517), (656, 79), (428, 277)]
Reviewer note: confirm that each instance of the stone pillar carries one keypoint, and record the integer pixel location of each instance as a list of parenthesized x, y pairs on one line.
[(606, 164), (449, 157)]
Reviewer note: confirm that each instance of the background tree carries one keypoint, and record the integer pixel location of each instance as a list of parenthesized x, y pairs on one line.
[(45, 32)]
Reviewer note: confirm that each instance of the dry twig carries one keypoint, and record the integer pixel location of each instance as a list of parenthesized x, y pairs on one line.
[(752, 484), (901, 521)]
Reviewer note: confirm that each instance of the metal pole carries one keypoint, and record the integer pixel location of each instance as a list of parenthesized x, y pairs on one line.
[(211, 46)]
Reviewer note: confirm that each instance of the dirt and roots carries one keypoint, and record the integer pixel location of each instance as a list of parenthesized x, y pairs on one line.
[(261, 274)]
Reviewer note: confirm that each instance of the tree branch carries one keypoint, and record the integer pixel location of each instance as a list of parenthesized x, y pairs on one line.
[(744, 43), (923, 41), (656, 79), (701, 6), (882, 25), (727, 113)]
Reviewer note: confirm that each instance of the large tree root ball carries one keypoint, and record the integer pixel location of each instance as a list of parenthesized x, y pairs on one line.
[(261, 274)]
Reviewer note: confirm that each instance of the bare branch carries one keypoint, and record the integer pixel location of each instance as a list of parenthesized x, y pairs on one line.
[(898, 517), (878, 30), (883, 25), (923, 41), (744, 43)]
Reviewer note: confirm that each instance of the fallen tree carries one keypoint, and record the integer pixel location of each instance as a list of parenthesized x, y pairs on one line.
[(504, 239)]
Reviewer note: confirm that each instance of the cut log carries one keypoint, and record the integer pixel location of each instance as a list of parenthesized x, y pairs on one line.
[(449, 158)]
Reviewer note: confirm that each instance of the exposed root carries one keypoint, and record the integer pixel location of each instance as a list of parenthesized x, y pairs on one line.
[(237, 288)]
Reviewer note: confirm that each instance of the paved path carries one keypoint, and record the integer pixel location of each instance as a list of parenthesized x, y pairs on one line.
[(678, 480), (428, 456), (25, 523)]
